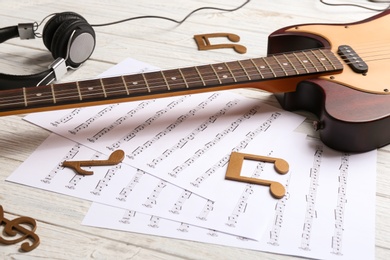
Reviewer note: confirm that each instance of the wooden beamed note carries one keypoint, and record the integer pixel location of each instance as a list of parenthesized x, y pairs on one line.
[(235, 165)]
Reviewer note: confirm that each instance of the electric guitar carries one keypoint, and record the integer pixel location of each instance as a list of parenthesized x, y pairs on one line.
[(339, 72)]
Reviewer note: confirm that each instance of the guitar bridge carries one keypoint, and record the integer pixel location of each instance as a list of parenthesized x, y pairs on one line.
[(352, 59)]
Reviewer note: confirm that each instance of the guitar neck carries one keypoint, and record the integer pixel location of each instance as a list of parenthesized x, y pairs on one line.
[(221, 76)]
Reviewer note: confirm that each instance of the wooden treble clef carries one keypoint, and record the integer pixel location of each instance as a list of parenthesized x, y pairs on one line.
[(16, 228)]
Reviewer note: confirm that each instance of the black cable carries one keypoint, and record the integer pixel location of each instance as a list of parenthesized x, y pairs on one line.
[(170, 19), (356, 5)]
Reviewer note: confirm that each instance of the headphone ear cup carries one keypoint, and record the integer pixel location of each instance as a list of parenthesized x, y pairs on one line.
[(53, 23), (82, 42)]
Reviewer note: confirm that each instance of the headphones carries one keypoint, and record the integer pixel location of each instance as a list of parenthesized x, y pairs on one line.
[(71, 41), (69, 38)]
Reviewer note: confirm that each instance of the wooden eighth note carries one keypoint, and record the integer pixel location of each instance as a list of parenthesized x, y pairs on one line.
[(115, 158), (234, 169), (202, 40)]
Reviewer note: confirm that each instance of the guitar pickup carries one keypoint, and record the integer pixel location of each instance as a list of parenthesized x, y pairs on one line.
[(352, 59)]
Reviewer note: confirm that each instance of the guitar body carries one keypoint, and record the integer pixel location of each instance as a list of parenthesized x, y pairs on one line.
[(353, 108)]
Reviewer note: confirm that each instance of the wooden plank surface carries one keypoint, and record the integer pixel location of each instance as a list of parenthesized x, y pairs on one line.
[(166, 45)]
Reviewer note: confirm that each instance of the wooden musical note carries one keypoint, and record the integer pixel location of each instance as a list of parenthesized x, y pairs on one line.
[(115, 158), (234, 169), (202, 40), (17, 228)]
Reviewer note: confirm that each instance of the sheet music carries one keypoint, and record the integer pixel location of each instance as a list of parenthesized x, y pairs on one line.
[(328, 213), (173, 138), (319, 216), (130, 188)]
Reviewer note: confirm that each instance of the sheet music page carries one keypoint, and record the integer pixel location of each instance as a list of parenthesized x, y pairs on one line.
[(171, 182), (174, 138), (328, 213)]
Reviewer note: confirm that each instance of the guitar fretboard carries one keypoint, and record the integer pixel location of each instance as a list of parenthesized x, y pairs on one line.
[(167, 82)]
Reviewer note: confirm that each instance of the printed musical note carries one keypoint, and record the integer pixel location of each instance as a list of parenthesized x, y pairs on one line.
[(119, 121), (71, 154), (92, 119), (311, 199), (202, 40), (152, 198), (130, 187), (127, 216), (206, 210), (211, 120), (77, 177), (115, 158), (16, 227), (337, 239), (172, 126), (67, 118), (147, 123), (104, 182), (242, 144)]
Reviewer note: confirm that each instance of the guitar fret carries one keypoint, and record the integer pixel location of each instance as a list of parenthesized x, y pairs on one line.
[(79, 91), (243, 68), (308, 58), (266, 62), (165, 79), (315, 55), (231, 73), (257, 68), (302, 63), (197, 70), (280, 65), (326, 57), (103, 88), (25, 97), (184, 78), (176, 80), (125, 84), (292, 64), (146, 82), (216, 74), (52, 92), (114, 86)]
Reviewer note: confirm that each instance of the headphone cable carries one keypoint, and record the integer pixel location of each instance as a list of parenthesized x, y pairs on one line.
[(171, 19)]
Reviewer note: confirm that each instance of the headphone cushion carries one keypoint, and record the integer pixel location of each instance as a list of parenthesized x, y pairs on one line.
[(52, 25), (62, 36)]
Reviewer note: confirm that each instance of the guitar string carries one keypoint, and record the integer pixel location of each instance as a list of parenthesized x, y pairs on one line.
[(188, 78), (120, 88)]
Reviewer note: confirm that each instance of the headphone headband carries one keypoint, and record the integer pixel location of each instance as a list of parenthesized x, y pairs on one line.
[(69, 38)]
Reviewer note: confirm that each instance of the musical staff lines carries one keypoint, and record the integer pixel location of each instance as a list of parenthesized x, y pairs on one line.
[(279, 217), (67, 117), (119, 121), (178, 206), (77, 177), (172, 126), (71, 154), (152, 198), (147, 123), (208, 207), (337, 239), (104, 182), (92, 119), (311, 212), (242, 144), (127, 216), (130, 187), (242, 202), (183, 141)]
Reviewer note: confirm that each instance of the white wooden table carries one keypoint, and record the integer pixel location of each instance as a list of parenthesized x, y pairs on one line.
[(166, 45)]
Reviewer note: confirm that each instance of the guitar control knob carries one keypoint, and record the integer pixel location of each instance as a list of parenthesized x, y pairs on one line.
[(317, 125)]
